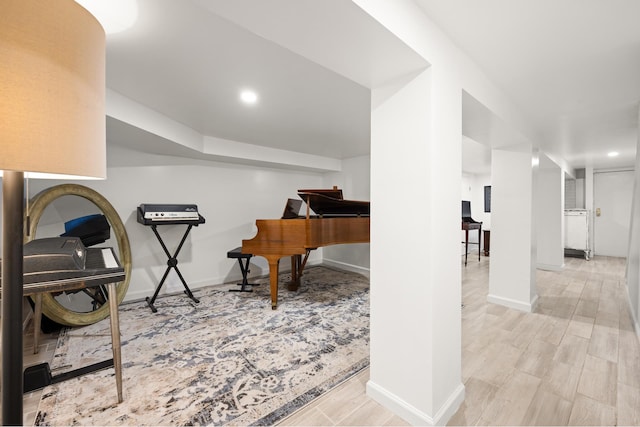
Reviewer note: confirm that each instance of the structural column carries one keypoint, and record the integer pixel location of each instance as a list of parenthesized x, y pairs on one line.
[(513, 233), (415, 255)]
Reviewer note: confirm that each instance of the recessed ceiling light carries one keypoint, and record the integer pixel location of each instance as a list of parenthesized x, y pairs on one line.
[(613, 154), (249, 96)]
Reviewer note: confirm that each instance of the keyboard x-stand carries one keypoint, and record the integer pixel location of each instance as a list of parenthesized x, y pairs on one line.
[(154, 215)]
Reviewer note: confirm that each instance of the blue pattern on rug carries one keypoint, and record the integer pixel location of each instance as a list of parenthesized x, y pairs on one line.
[(229, 360)]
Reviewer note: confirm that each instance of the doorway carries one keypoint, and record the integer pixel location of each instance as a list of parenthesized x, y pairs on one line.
[(612, 197)]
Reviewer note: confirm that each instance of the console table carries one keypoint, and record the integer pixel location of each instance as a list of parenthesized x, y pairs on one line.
[(38, 376)]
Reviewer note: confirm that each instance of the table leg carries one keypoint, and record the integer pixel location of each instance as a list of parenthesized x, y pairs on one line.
[(115, 338), (37, 322)]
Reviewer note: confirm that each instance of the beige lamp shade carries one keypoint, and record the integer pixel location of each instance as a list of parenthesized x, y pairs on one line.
[(52, 89)]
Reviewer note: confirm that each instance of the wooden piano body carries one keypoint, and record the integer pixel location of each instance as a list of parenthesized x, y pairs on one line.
[(297, 237)]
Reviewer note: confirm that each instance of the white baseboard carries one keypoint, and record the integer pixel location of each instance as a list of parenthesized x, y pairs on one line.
[(511, 303), (410, 413), (235, 276), (634, 318), (137, 296), (348, 267), (177, 288), (550, 267)]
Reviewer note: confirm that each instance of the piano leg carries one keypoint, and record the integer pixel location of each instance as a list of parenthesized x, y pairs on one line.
[(273, 279), (296, 272), (297, 269)]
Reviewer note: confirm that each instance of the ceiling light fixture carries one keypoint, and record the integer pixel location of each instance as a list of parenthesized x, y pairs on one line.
[(613, 154), (249, 96)]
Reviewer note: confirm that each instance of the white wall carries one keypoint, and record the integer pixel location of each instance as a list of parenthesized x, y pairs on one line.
[(549, 217), (580, 193), (633, 256), (231, 197)]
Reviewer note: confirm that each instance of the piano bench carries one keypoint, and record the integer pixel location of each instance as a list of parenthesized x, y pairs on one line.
[(236, 253)]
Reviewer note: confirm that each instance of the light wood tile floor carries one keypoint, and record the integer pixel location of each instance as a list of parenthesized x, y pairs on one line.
[(574, 361)]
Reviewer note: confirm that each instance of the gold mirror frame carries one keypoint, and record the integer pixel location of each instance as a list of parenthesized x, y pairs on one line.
[(52, 308)]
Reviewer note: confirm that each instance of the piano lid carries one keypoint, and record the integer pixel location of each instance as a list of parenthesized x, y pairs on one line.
[(330, 202), (334, 192)]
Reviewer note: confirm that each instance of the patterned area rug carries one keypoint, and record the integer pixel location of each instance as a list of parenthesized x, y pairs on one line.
[(229, 360)]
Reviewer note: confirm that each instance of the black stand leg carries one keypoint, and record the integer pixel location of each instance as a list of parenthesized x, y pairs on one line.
[(39, 376), (466, 245), (151, 300), (172, 262), (245, 286), (479, 240)]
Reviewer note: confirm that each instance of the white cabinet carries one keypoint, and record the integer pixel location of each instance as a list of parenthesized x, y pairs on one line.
[(576, 231)]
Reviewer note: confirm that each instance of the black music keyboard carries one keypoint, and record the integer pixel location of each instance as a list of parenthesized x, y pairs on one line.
[(149, 214)]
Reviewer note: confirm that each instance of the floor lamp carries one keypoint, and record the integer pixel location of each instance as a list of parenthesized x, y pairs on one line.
[(52, 124)]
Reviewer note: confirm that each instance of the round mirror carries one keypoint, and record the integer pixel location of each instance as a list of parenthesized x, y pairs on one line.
[(47, 213)]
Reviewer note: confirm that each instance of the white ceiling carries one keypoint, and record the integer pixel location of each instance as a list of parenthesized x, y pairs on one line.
[(189, 59), (571, 66)]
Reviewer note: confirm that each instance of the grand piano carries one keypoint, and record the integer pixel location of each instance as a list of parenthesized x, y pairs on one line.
[(334, 221)]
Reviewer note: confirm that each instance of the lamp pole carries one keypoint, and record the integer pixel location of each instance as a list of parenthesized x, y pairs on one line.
[(12, 294)]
